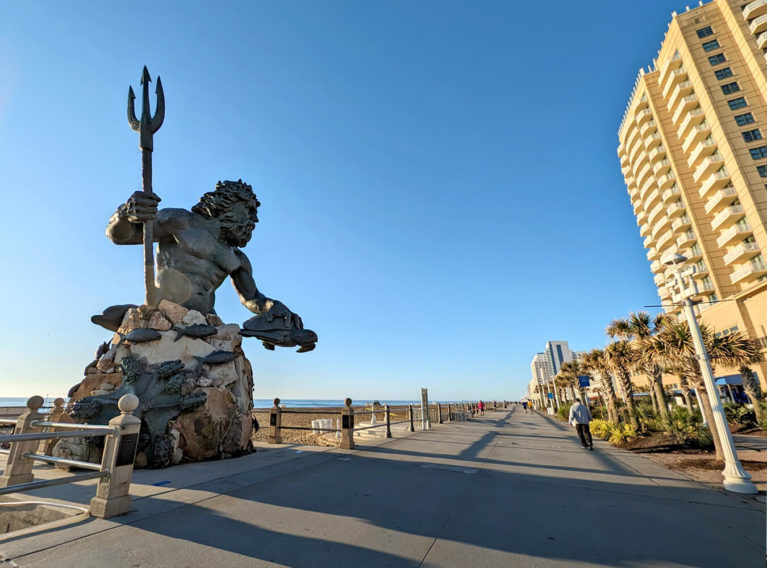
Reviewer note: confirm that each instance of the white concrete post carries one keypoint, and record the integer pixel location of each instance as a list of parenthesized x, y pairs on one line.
[(275, 421), (18, 469), (113, 493), (347, 426)]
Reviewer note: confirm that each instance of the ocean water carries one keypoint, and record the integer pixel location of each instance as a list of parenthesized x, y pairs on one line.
[(264, 402)]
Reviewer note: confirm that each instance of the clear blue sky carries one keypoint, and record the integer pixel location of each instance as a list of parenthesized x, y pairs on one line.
[(440, 187)]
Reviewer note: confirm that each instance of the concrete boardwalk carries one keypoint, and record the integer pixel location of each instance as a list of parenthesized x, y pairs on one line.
[(506, 490)]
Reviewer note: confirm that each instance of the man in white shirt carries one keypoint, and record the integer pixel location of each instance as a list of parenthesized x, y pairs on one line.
[(580, 416)]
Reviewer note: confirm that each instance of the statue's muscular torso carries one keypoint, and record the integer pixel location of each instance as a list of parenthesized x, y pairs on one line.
[(191, 262)]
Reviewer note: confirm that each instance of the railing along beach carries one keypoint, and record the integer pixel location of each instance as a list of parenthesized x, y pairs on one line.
[(114, 472), (344, 417)]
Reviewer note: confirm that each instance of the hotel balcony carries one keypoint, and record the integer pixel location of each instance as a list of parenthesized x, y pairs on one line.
[(720, 198), (706, 147), (672, 62), (741, 252), (748, 272), (643, 173), (727, 217), (666, 181), (681, 223), (686, 239), (676, 76), (685, 105), (663, 222), (661, 167), (656, 266), (681, 90), (633, 191), (641, 214), (652, 198), (704, 289), (656, 154), (644, 230), (647, 242), (734, 233), (701, 270), (647, 186), (642, 116), (758, 24), (717, 180), (670, 194), (653, 254), (659, 279), (761, 40), (652, 140), (675, 209), (646, 127), (693, 118), (755, 9), (709, 165), (634, 148), (663, 239), (657, 210), (693, 255), (698, 133)]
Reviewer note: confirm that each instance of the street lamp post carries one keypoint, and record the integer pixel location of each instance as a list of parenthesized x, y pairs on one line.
[(736, 479)]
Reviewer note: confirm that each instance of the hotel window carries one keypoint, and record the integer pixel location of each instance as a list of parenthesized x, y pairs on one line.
[(743, 119), (705, 32), (762, 172), (717, 59), (740, 102), (710, 45), (730, 88), (723, 73), (758, 153), (751, 135)]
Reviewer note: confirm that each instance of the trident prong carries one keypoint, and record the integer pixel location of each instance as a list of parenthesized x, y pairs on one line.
[(148, 124)]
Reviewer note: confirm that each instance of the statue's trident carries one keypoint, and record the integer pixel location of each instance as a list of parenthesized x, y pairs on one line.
[(146, 127)]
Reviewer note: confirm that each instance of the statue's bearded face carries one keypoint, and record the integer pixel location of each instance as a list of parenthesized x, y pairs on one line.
[(238, 222)]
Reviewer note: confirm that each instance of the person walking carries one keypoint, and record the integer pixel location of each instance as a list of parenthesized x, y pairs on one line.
[(580, 416), (481, 408)]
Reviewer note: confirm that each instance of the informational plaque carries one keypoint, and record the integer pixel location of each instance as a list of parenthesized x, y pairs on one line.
[(126, 452)]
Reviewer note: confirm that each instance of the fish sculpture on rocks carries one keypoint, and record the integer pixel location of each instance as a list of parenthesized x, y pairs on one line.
[(216, 358), (140, 335), (196, 331)]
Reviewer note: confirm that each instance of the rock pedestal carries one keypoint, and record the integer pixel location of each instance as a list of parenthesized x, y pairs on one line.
[(192, 378)]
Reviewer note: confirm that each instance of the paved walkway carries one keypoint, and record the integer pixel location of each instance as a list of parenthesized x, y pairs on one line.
[(507, 490)]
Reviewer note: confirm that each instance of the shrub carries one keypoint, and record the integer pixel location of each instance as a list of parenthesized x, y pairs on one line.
[(621, 433), (600, 428), (564, 411)]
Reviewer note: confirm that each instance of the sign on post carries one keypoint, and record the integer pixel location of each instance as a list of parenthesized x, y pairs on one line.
[(583, 380)]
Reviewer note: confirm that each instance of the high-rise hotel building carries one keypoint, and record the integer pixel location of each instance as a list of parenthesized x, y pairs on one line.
[(693, 151)]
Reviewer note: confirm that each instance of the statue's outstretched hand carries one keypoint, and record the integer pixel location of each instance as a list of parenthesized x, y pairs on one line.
[(141, 206), (280, 310)]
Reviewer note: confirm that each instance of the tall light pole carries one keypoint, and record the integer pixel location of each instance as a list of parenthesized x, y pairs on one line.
[(736, 479)]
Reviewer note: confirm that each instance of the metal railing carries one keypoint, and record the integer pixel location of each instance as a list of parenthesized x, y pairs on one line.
[(346, 428), (114, 472)]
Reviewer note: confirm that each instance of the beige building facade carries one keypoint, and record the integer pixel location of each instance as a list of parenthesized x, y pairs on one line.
[(693, 152)]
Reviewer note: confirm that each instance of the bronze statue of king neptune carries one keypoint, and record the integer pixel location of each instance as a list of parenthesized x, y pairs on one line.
[(198, 249)]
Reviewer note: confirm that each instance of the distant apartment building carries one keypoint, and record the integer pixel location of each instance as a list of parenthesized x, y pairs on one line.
[(547, 364), (693, 151)]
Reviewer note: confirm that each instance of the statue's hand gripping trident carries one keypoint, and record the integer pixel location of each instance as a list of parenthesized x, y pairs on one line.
[(146, 127)]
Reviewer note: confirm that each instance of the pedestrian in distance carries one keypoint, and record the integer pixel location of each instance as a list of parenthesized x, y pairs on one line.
[(481, 408), (580, 416)]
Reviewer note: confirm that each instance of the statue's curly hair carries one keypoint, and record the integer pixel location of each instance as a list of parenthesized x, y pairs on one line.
[(213, 203)]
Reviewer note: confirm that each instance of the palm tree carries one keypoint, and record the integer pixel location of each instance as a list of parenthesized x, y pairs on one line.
[(640, 328), (621, 358), (753, 390), (733, 350), (595, 362), (571, 370)]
